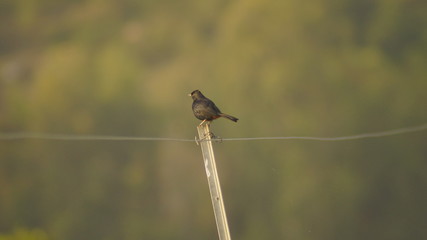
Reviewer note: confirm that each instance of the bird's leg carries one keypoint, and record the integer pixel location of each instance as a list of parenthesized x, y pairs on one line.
[(202, 122)]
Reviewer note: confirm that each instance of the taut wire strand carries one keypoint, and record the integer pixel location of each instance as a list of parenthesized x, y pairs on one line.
[(70, 137), (67, 137), (344, 138)]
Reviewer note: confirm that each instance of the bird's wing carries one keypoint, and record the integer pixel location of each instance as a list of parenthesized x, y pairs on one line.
[(214, 108)]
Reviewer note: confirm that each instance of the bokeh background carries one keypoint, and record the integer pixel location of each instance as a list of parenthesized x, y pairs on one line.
[(285, 68)]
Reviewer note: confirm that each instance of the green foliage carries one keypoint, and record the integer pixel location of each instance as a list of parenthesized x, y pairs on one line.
[(285, 68), (24, 234)]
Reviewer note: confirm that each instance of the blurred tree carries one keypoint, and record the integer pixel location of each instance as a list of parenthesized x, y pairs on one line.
[(24, 234)]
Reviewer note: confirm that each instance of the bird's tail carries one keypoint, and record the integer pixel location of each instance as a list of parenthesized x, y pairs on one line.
[(234, 119)]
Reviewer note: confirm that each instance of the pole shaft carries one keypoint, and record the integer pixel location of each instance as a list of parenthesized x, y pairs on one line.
[(213, 181)]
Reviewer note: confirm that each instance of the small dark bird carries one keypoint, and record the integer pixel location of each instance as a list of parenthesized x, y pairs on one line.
[(206, 110)]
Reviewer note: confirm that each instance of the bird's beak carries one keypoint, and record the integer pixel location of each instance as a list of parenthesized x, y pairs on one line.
[(189, 94)]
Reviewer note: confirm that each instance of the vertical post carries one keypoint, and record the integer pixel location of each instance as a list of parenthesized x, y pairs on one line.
[(213, 181)]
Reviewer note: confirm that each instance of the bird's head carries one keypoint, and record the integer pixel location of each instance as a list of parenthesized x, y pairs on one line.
[(196, 94)]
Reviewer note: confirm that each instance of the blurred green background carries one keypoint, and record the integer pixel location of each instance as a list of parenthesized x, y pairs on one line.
[(285, 68)]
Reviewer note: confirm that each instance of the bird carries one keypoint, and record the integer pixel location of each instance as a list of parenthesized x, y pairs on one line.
[(206, 110)]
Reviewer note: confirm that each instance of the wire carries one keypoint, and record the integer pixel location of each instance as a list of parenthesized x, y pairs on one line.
[(345, 138), (67, 137)]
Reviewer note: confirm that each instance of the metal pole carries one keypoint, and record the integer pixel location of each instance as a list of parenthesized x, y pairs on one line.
[(213, 180)]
